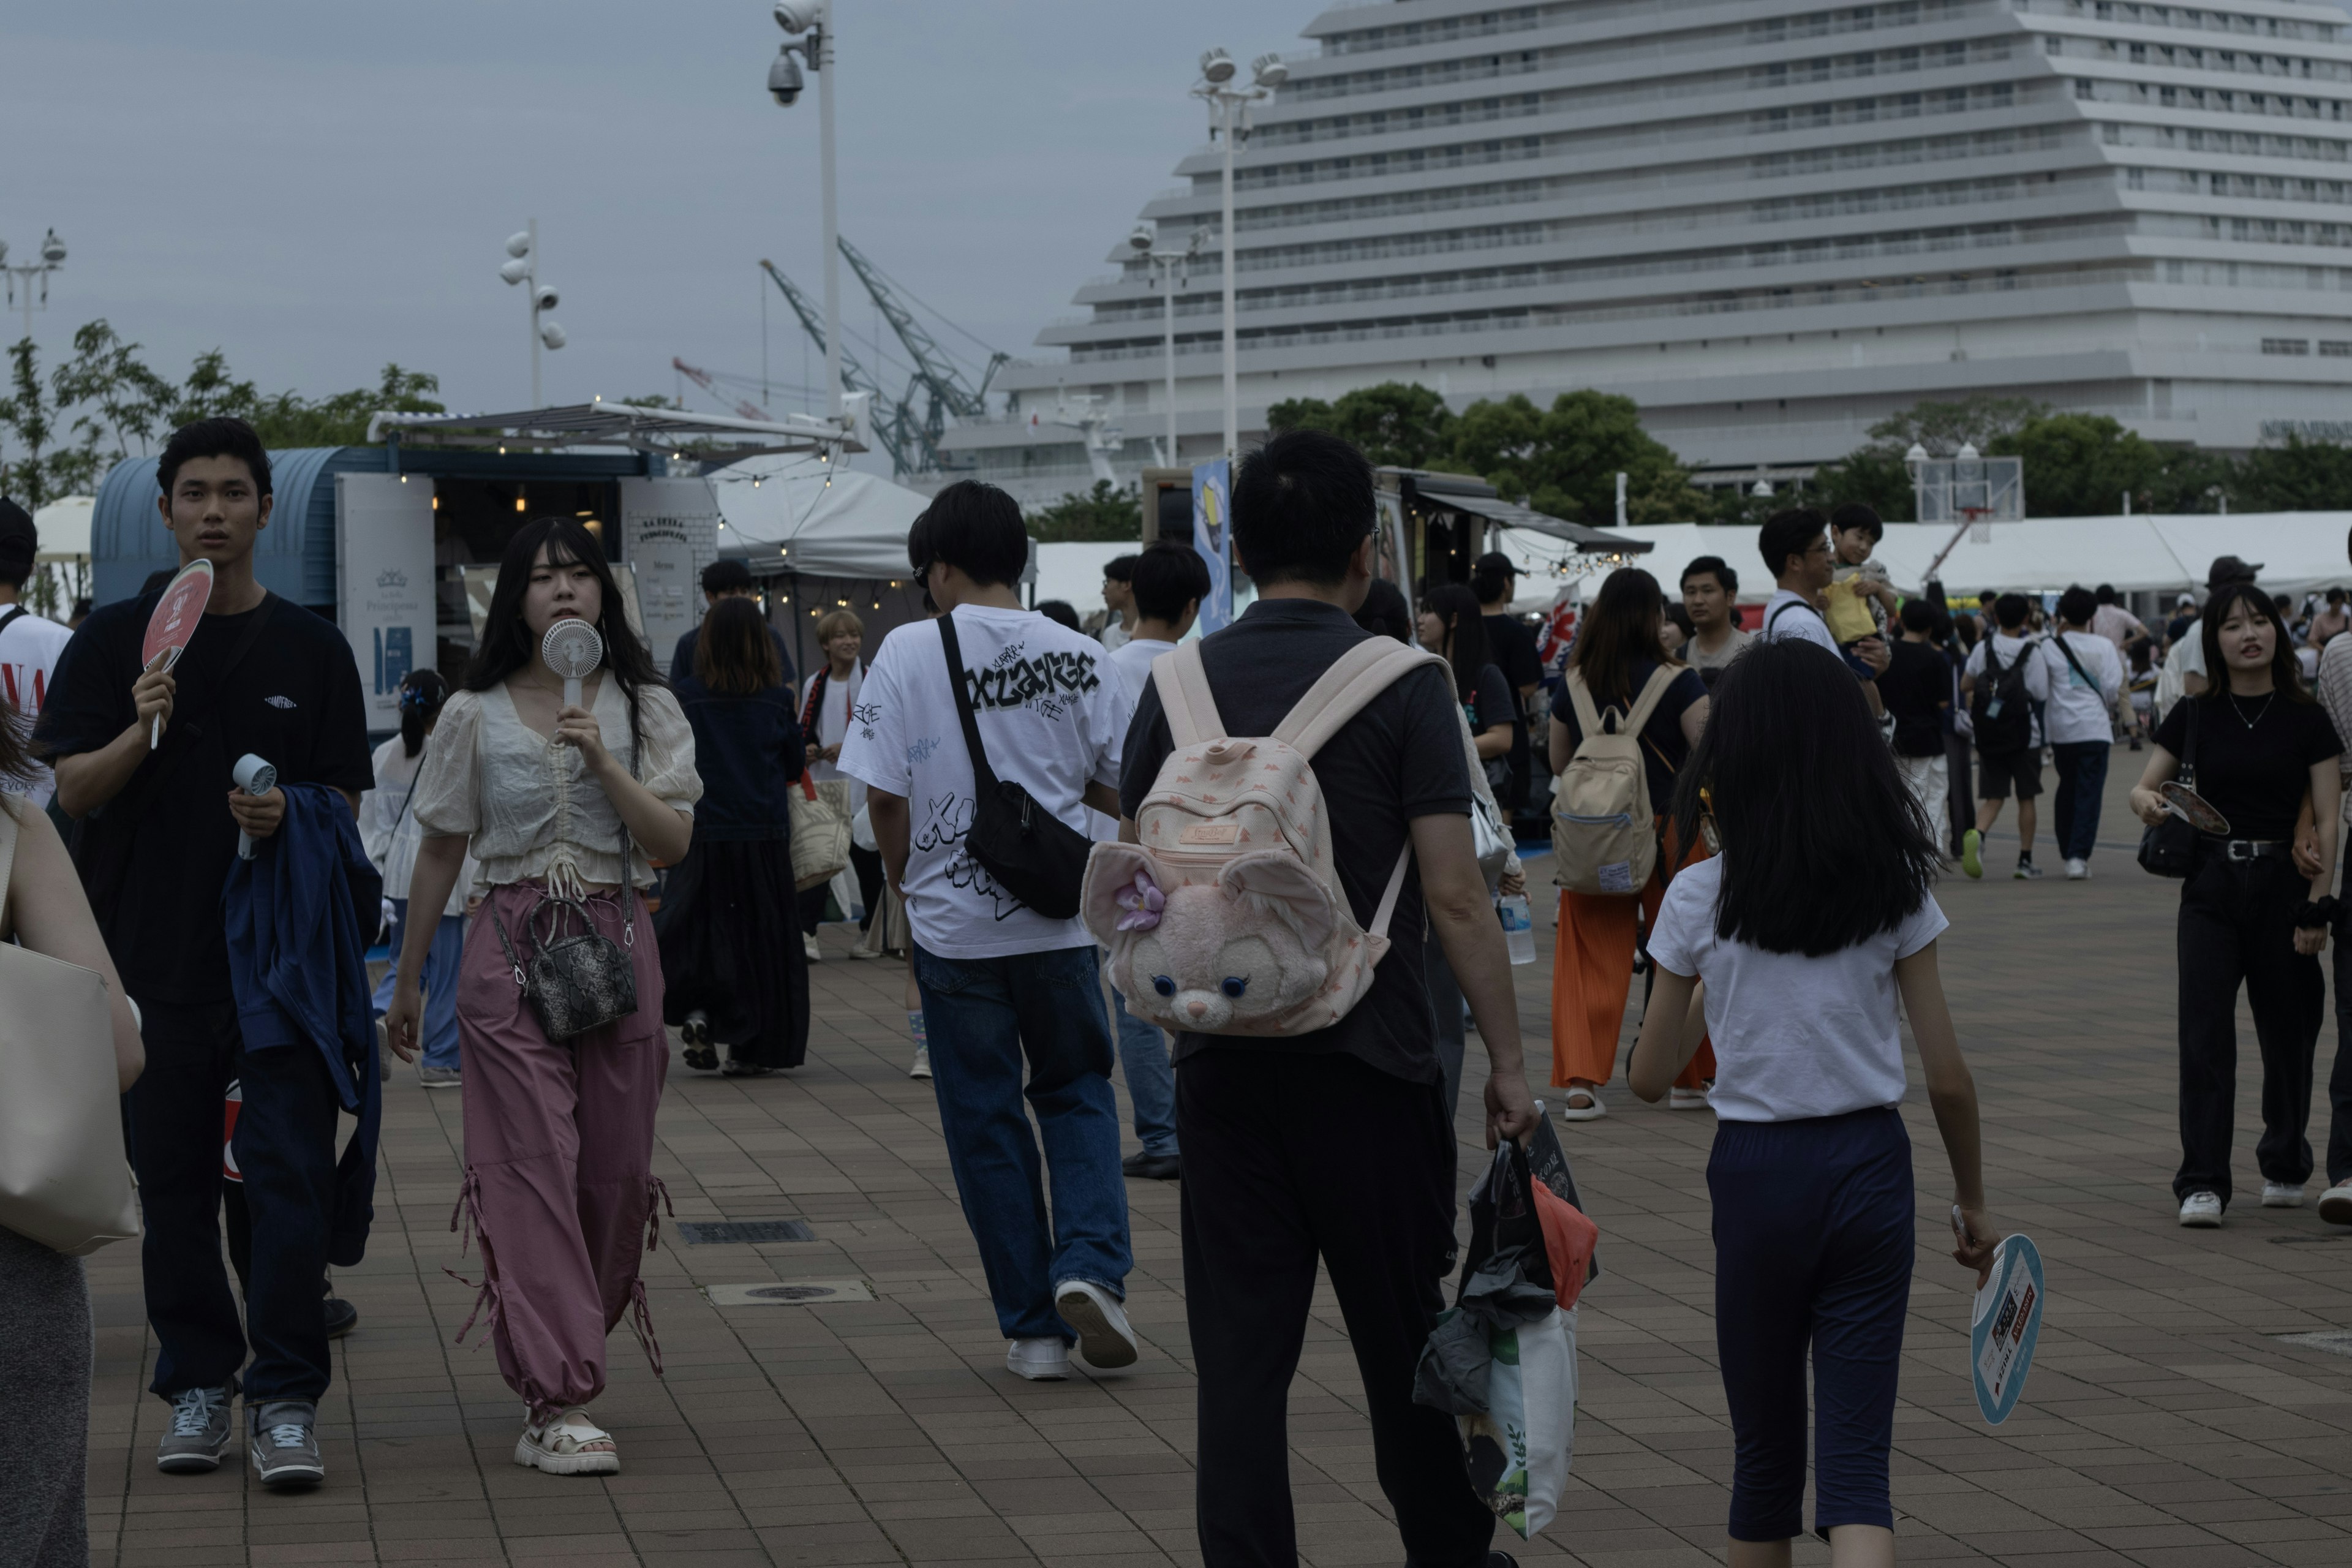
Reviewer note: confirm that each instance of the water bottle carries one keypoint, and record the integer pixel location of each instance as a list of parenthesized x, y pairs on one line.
[(1519, 928)]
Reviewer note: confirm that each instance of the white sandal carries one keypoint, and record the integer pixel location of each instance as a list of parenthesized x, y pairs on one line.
[(1593, 1110), (570, 1445)]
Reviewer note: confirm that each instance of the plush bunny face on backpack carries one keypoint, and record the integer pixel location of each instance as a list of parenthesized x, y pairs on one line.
[(1232, 955)]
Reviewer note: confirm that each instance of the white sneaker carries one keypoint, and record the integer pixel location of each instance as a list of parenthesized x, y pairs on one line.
[(1104, 1337), (1686, 1100), (2336, 1205), (2078, 871), (1039, 1361), (2281, 1196), (2201, 1211), (922, 1068), (1597, 1109), (815, 954)]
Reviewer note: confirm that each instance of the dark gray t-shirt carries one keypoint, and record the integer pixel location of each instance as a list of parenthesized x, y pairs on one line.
[(1399, 759)]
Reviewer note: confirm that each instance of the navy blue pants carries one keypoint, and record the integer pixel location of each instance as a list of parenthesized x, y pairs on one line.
[(1812, 1248), (286, 1151)]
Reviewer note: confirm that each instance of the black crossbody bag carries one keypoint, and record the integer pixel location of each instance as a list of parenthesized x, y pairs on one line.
[(2170, 848), (1033, 854)]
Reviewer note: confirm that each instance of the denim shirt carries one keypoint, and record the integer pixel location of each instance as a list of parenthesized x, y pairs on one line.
[(749, 751)]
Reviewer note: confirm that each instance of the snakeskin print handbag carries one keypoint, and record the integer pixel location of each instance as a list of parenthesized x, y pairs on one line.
[(575, 981)]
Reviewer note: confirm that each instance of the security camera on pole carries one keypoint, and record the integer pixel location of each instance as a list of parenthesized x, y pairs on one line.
[(1229, 108), (523, 266), (1169, 266), (20, 277), (809, 26)]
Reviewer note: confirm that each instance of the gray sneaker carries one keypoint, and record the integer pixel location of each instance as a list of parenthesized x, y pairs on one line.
[(438, 1078), (285, 1444), (199, 1431)]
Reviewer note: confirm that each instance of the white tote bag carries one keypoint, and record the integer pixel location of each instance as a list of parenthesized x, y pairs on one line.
[(63, 1180)]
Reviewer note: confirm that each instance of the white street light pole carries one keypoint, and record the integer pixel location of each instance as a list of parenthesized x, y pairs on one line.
[(20, 278), (1229, 108), (1169, 265), (532, 229), (813, 18)]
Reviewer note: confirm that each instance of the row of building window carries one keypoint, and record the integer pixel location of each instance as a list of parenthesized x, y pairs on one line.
[(1393, 121), (1491, 24), (2195, 19), (1998, 95), (2241, 143), (2330, 348), (2186, 57), (2244, 187), (1877, 62), (2214, 101)]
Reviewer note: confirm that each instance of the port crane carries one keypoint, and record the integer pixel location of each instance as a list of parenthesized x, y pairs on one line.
[(911, 450), (744, 407)]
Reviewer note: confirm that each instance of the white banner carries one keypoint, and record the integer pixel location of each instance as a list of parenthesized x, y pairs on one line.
[(669, 533), (384, 587)]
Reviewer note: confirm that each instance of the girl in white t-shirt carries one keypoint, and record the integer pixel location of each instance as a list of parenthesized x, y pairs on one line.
[(1795, 943)]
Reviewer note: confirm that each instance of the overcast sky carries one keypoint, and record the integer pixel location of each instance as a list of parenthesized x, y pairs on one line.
[(318, 187)]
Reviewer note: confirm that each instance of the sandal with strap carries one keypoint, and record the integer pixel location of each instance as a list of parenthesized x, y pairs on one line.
[(570, 1445)]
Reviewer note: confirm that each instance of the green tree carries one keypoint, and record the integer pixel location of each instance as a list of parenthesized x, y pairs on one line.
[(288, 420), (1944, 427), (1875, 475), (1101, 515), (1396, 424), (41, 471), (2296, 476), (1566, 459), (2082, 465)]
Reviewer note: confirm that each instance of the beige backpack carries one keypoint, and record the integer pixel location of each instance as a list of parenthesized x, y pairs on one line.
[(1228, 917), (1604, 835)]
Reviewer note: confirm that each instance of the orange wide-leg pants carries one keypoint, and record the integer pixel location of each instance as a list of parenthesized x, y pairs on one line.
[(1592, 970)]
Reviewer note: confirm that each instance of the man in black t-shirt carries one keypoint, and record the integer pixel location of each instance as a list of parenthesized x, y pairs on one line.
[(1917, 690), (1335, 1142), (1510, 647), (157, 832), (730, 579)]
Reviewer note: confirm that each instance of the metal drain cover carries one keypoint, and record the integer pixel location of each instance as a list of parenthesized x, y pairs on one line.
[(790, 1293), (706, 1232), (2335, 1341)]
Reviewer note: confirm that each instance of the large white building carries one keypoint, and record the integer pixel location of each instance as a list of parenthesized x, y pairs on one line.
[(1769, 222)]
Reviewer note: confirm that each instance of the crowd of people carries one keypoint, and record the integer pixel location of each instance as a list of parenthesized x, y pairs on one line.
[(1041, 833)]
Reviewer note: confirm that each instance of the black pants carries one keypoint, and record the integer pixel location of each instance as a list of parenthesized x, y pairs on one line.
[(1287, 1158), (286, 1151), (1960, 796), (2237, 926), (867, 865), (2339, 1080)]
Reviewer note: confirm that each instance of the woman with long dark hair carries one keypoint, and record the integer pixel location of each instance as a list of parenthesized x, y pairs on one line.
[(1619, 655), (388, 828), (2247, 915), (733, 964), (1453, 624), (1791, 948), (563, 803)]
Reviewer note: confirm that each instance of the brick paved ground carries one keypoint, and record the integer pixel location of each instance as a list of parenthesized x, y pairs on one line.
[(2165, 1425)]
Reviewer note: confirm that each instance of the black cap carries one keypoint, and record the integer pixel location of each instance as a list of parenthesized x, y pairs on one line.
[(2229, 569), (19, 539)]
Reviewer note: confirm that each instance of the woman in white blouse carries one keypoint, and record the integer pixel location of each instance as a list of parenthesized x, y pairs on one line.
[(389, 835), (558, 802)]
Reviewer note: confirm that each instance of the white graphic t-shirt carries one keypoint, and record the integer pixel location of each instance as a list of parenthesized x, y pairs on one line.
[(1052, 718), (29, 646)]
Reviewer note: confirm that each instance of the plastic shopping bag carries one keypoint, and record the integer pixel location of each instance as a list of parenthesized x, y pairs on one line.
[(1519, 1447)]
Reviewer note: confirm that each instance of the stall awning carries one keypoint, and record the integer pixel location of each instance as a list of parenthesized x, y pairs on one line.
[(1468, 494), (602, 424)]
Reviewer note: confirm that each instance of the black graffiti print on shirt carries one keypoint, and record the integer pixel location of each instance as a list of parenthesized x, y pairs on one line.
[(1044, 682), (946, 819)]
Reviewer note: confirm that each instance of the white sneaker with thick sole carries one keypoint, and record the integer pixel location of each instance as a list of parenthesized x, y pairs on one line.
[(1686, 1100), (2281, 1196), (922, 1068), (1104, 1337), (1593, 1110), (2201, 1211), (810, 945), (2078, 871), (1039, 1361), (2336, 1205), (570, 1445)]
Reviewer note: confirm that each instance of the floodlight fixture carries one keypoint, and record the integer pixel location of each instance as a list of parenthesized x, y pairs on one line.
[(800, 15), (53, 249), (1141, 237), (552, 334), (515, 272), (1217, 66), (1268, 72), (544, 299), (518, 244)]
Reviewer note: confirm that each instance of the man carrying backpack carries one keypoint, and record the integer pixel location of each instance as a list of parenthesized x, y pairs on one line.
[(2006, 687), (1333, 1143)]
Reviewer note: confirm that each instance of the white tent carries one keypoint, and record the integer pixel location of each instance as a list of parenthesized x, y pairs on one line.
[(2298, 552), (779, 512), (63, 527)]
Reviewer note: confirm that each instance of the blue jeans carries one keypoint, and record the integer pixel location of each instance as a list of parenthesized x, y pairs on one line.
[(984, 1015), (2082, 768), (1150, 1077), (440, 983)]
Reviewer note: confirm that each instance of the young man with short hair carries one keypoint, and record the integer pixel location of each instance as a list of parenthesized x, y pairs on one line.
[(1270, 1126), (1918, 689), (29, 644), (2086, 682), (1796, 551), (1710, 587), (728, 579), (2009, 742), (1000, 980), (1118, 598), (1510, 647), (270, 678), (1169, 583), (2110, 620)]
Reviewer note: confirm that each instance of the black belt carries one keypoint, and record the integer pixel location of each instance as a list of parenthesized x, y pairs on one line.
[(2250, 848)]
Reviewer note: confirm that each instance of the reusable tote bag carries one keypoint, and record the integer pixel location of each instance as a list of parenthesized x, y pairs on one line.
[(63, 1180)]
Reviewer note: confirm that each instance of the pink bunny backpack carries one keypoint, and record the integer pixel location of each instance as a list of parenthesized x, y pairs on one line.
[(1228, 917)]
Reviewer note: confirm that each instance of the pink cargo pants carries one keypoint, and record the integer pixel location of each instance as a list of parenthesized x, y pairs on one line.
[(558, 1154)]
